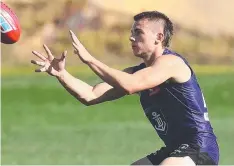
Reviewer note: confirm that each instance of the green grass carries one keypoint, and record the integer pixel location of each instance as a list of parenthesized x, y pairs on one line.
[(43, 124)]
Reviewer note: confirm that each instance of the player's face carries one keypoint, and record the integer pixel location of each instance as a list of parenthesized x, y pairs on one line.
[(143, 38)]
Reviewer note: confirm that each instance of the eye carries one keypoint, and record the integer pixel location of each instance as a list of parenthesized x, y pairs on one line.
[(138, 32)]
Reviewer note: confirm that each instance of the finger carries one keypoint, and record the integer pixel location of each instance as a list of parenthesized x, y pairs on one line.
[(74, 38), (39, 55), (75, 46), (50, 56), (63, 55), (38, 63), (41, 70)]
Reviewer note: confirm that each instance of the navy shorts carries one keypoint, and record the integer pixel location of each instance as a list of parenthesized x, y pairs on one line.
[(199, 158)]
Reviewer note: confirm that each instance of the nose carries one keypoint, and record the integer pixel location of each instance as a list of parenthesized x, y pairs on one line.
[(132, 39)]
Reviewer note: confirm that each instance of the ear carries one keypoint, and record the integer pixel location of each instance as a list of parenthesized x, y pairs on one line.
[(159, 38)]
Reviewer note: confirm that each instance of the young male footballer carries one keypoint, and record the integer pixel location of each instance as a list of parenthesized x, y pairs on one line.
[(167, 86)]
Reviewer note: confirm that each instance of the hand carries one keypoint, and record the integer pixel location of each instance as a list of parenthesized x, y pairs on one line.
[(51, 65), (80, 50)]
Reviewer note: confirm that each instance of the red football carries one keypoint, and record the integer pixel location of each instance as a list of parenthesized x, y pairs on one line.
[(10, 27)]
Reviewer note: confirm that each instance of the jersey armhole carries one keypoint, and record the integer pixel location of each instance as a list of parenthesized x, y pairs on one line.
[(138, 67), (191, 73)]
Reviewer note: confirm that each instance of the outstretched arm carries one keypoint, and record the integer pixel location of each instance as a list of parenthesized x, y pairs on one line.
[(90, 95), (82, 91), (164, 68), (146, 78)]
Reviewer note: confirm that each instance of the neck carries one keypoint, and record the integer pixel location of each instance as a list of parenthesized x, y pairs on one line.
[(149, 60)]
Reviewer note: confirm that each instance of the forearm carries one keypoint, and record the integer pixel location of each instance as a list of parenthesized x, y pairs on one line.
[(115, 78), (77, 88)]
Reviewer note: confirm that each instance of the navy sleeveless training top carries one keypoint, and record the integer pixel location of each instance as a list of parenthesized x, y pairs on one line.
[(179, 114)]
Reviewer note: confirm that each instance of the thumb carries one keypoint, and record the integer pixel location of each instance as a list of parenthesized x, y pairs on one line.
[(63, 55)]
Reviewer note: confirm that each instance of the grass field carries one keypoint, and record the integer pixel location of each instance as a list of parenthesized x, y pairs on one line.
[(43, 124)]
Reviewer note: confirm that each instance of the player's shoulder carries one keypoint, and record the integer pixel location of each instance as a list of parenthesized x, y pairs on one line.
[(174, 55), (174, 66), (169, 59)]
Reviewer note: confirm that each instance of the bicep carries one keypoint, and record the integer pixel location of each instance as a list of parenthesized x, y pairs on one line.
[(154, 75), (148, 78)]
